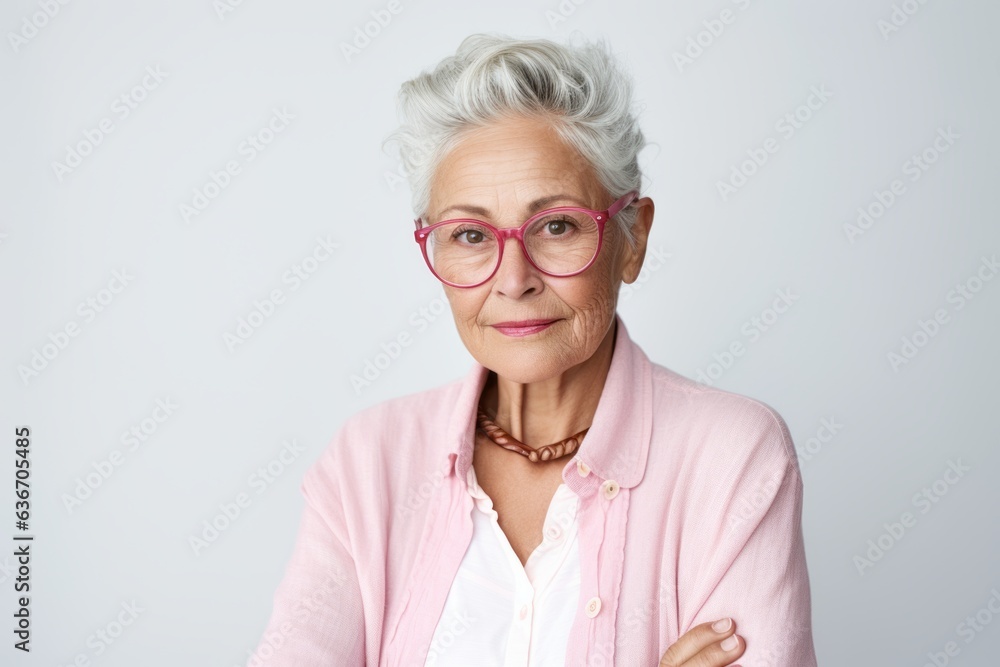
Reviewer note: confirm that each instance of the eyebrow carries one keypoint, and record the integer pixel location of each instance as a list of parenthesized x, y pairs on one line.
[(533, 207)]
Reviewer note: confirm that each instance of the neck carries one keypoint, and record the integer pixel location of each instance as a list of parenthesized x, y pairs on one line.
[(544, 412)]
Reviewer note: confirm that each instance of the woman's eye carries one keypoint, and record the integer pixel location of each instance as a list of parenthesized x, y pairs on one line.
[(558, 227), (473, 236)]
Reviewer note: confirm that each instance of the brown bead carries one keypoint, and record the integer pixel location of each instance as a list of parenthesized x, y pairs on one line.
[(507, 441)]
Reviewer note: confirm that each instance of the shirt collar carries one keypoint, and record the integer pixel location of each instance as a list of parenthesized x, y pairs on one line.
[(617, 443)]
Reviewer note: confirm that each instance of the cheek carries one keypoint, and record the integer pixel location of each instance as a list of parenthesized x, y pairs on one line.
[(592, 302), (465, 305), (597, 289)]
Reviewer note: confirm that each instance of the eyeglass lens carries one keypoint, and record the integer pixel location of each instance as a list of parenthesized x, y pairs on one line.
[(466, 253)]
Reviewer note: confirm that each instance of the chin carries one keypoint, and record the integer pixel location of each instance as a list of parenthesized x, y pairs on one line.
[(523, 365)]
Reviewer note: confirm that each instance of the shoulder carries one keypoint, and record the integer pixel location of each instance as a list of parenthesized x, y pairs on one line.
[(389, 435), (409, 414), (726, 454), (722, 423)]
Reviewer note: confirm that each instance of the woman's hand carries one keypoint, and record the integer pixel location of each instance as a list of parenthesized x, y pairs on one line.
[(706, 645)]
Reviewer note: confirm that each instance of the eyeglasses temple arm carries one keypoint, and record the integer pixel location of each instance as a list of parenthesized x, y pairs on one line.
[(622, 203)]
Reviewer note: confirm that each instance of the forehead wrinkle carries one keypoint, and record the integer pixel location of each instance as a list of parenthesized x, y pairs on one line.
[(537, 204), (506, 170), (572, 189)]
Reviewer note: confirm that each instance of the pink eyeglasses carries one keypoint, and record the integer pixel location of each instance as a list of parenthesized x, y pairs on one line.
[(559, 242)]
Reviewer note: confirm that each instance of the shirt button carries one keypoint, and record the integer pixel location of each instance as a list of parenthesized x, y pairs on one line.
[(582, 468), (593, 606), (553, 532), (524, 612), (610, 488)]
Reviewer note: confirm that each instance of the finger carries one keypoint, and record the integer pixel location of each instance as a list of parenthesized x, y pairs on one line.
[(719, 654), (706, 636)]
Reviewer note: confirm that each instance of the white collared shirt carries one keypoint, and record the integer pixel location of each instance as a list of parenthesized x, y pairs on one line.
[(500, 613)]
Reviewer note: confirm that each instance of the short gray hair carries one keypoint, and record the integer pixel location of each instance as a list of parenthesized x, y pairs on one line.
[(581, 88)]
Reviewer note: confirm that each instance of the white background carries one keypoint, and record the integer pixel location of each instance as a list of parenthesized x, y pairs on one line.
[(64, 234)]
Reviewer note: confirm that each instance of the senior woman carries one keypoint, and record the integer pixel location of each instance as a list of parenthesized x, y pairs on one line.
[(567, 502)]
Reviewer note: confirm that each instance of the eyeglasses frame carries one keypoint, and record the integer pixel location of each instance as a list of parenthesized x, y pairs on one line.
[(420, 235)]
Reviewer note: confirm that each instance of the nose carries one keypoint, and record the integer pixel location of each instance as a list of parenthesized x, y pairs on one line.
[(516, 276)]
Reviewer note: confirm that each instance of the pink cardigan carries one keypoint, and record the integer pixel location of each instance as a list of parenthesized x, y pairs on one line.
[(690, 511)]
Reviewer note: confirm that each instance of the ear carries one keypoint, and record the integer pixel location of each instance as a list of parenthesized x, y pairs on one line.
[(634, 258)]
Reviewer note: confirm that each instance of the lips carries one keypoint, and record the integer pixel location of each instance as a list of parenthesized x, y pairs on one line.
[(522, 327), (514, 324)]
